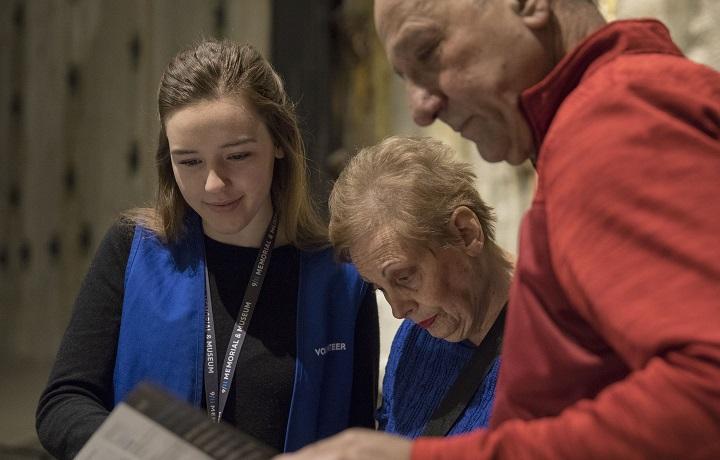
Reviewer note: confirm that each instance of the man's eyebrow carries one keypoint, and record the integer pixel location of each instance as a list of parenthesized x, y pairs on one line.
[(401, 45), (410, 37), (411, 33), (399, 50)]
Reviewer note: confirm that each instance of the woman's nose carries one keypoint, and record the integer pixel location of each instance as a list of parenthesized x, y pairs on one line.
[(401, 305), (215, 181), (425, 106)]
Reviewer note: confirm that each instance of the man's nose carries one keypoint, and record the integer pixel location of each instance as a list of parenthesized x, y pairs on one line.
[(425, 105)]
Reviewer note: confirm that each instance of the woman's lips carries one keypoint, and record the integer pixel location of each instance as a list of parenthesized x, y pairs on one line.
[(427, 323), (227, 206)]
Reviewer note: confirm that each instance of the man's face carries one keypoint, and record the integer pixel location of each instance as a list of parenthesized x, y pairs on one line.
[(466, 62)]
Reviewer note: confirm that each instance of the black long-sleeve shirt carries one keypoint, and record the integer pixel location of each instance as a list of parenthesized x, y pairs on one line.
[(79, 394)]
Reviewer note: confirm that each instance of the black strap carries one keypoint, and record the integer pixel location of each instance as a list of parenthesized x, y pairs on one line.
[(467, 383), (216, 394)]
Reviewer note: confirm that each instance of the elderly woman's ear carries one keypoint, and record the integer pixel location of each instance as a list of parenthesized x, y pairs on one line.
[(464, 223)]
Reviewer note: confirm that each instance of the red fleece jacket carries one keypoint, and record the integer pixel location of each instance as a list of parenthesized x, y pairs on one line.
[(612, 346)]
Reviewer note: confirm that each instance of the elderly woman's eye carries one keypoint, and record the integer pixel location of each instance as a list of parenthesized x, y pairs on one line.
[(404, 278)]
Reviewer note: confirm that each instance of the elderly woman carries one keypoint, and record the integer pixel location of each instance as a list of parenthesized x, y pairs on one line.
[(408, 216)]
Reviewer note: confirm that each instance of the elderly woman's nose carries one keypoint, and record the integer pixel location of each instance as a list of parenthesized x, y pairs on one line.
[(401, 307)]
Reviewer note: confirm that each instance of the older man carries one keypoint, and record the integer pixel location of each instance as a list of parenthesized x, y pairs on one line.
[(612, 346)]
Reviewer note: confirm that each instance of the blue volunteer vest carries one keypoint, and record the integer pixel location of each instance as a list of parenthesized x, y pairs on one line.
[(162, 331)]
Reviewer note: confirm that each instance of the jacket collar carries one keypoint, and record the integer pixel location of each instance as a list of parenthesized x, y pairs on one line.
[(541, 101)]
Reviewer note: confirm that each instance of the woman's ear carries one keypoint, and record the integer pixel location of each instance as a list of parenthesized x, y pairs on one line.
[(534, 13), (464, 224), (279, 153)]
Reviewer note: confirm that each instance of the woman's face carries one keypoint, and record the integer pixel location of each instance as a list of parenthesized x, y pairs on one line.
[(439, 289), (222, 158)]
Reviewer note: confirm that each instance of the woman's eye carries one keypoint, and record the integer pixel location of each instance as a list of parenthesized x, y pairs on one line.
[(239, 156), (404, 279), (190, 162)]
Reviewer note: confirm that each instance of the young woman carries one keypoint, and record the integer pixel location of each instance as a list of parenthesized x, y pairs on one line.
[(225, 292)]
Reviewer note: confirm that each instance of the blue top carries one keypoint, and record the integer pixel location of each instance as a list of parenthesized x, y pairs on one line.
[(419, 372), (162, 331)]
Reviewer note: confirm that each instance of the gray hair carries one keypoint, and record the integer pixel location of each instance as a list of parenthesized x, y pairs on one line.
[(411, 185)]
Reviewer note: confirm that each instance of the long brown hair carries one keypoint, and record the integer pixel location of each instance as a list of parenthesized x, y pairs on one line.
[(211, 70)]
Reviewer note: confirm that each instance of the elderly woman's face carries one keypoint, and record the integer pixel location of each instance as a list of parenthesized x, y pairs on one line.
[(437, 288)]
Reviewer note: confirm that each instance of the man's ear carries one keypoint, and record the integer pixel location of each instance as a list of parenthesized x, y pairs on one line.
[(534, 13), (464, 223)]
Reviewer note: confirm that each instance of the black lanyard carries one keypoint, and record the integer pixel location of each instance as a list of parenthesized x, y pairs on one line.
[(212, 387), (467, 383)]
